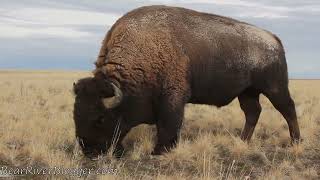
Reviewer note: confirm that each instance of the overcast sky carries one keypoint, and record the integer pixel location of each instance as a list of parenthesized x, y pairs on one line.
[(66, 34)]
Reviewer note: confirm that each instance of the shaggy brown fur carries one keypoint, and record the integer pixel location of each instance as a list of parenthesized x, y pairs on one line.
[(164, 57)]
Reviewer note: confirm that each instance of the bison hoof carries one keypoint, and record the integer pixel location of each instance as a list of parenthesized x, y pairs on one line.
[(296, 141)]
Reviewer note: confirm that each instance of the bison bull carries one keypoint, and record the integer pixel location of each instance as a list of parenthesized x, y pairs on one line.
[(156, 59)]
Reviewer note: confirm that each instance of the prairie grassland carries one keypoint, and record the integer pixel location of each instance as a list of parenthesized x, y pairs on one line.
[(37, 131)]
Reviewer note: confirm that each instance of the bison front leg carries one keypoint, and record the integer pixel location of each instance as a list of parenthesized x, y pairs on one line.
[(169, 121), (249, 103)]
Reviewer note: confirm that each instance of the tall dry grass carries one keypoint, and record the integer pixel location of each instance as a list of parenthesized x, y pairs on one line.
[(37, 130)]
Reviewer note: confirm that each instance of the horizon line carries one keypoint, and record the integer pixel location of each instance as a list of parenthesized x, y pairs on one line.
[(65, 70)]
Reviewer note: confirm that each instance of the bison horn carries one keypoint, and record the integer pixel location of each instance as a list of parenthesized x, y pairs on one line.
[(114, 101)]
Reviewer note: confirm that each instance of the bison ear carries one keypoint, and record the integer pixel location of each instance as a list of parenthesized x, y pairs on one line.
[(115, 100)]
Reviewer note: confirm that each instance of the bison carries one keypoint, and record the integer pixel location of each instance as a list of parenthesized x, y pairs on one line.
[(155, 59)]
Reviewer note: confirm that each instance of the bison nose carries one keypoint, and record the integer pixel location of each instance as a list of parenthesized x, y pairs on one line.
[(92, 149)]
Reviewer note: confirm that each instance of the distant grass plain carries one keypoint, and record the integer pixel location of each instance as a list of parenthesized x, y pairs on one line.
[(37, 130)]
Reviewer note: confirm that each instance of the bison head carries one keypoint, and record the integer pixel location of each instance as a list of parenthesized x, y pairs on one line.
[(96, 115)]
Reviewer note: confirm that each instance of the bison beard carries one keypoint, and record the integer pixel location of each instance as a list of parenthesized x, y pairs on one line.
[(159, 58)]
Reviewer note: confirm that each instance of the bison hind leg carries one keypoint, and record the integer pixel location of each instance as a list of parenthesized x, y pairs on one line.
[(250, 105), (282, 101)]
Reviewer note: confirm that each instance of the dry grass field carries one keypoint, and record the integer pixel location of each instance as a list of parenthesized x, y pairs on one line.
[(37, 130)]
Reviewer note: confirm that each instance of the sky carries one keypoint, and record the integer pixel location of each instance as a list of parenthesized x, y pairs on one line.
[(67, 34)]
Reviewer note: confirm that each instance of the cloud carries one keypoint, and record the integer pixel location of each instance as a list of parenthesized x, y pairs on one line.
[(266, 15), (12, 31), (306, 9), (48, 16), (29, 22)]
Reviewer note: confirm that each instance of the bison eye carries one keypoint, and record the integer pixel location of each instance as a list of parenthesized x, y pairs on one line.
[(99, 121)]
